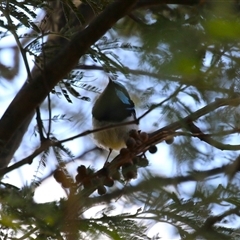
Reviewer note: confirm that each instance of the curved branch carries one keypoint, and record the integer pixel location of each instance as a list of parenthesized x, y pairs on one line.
[(183, 123), (35, 91), (206, 138)]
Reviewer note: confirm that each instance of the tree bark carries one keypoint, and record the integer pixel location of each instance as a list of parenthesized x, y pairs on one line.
[(19, 113)]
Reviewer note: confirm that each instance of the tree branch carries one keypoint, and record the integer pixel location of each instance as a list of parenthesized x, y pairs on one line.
[(206, 138), (35, 91)]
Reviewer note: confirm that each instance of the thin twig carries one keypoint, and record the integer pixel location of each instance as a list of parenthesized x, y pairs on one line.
[(40, 124)]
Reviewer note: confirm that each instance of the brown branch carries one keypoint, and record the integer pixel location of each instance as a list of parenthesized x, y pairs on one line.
[(35, 91), (214, 219), (154, 138), (183, 123), (208, 227), (155, 182), (206, 138), (221, 133), (28, 160)]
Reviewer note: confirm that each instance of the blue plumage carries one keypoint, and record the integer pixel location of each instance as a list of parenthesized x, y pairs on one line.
[(114, 104), (123, 97)]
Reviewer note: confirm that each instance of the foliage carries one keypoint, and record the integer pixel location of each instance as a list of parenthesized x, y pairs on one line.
[(181, 66)]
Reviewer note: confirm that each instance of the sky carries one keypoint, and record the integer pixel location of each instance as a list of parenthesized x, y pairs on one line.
[(79, 112), (26, 174)]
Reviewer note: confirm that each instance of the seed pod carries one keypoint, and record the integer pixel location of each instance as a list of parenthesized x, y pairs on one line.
[(143, 136), (82, 170), (124, 151), (169, 140), (135, 160), (130, 143), (152, 149), (67, 183), (116, 175), (134, 134), (101, 190), (138, 142), (59, 175), (82, 173), (130, 175), (143, 162), (108, 182), (129, 171)]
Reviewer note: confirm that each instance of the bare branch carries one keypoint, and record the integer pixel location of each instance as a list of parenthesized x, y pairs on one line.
[(55, 70)]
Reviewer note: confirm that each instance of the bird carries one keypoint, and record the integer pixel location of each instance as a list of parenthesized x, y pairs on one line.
[(112, 107)]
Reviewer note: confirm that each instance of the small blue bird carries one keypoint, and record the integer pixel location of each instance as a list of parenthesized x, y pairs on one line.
[(112, 107)]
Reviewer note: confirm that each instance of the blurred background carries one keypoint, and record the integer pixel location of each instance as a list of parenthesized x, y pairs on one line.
[(187, 54)]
